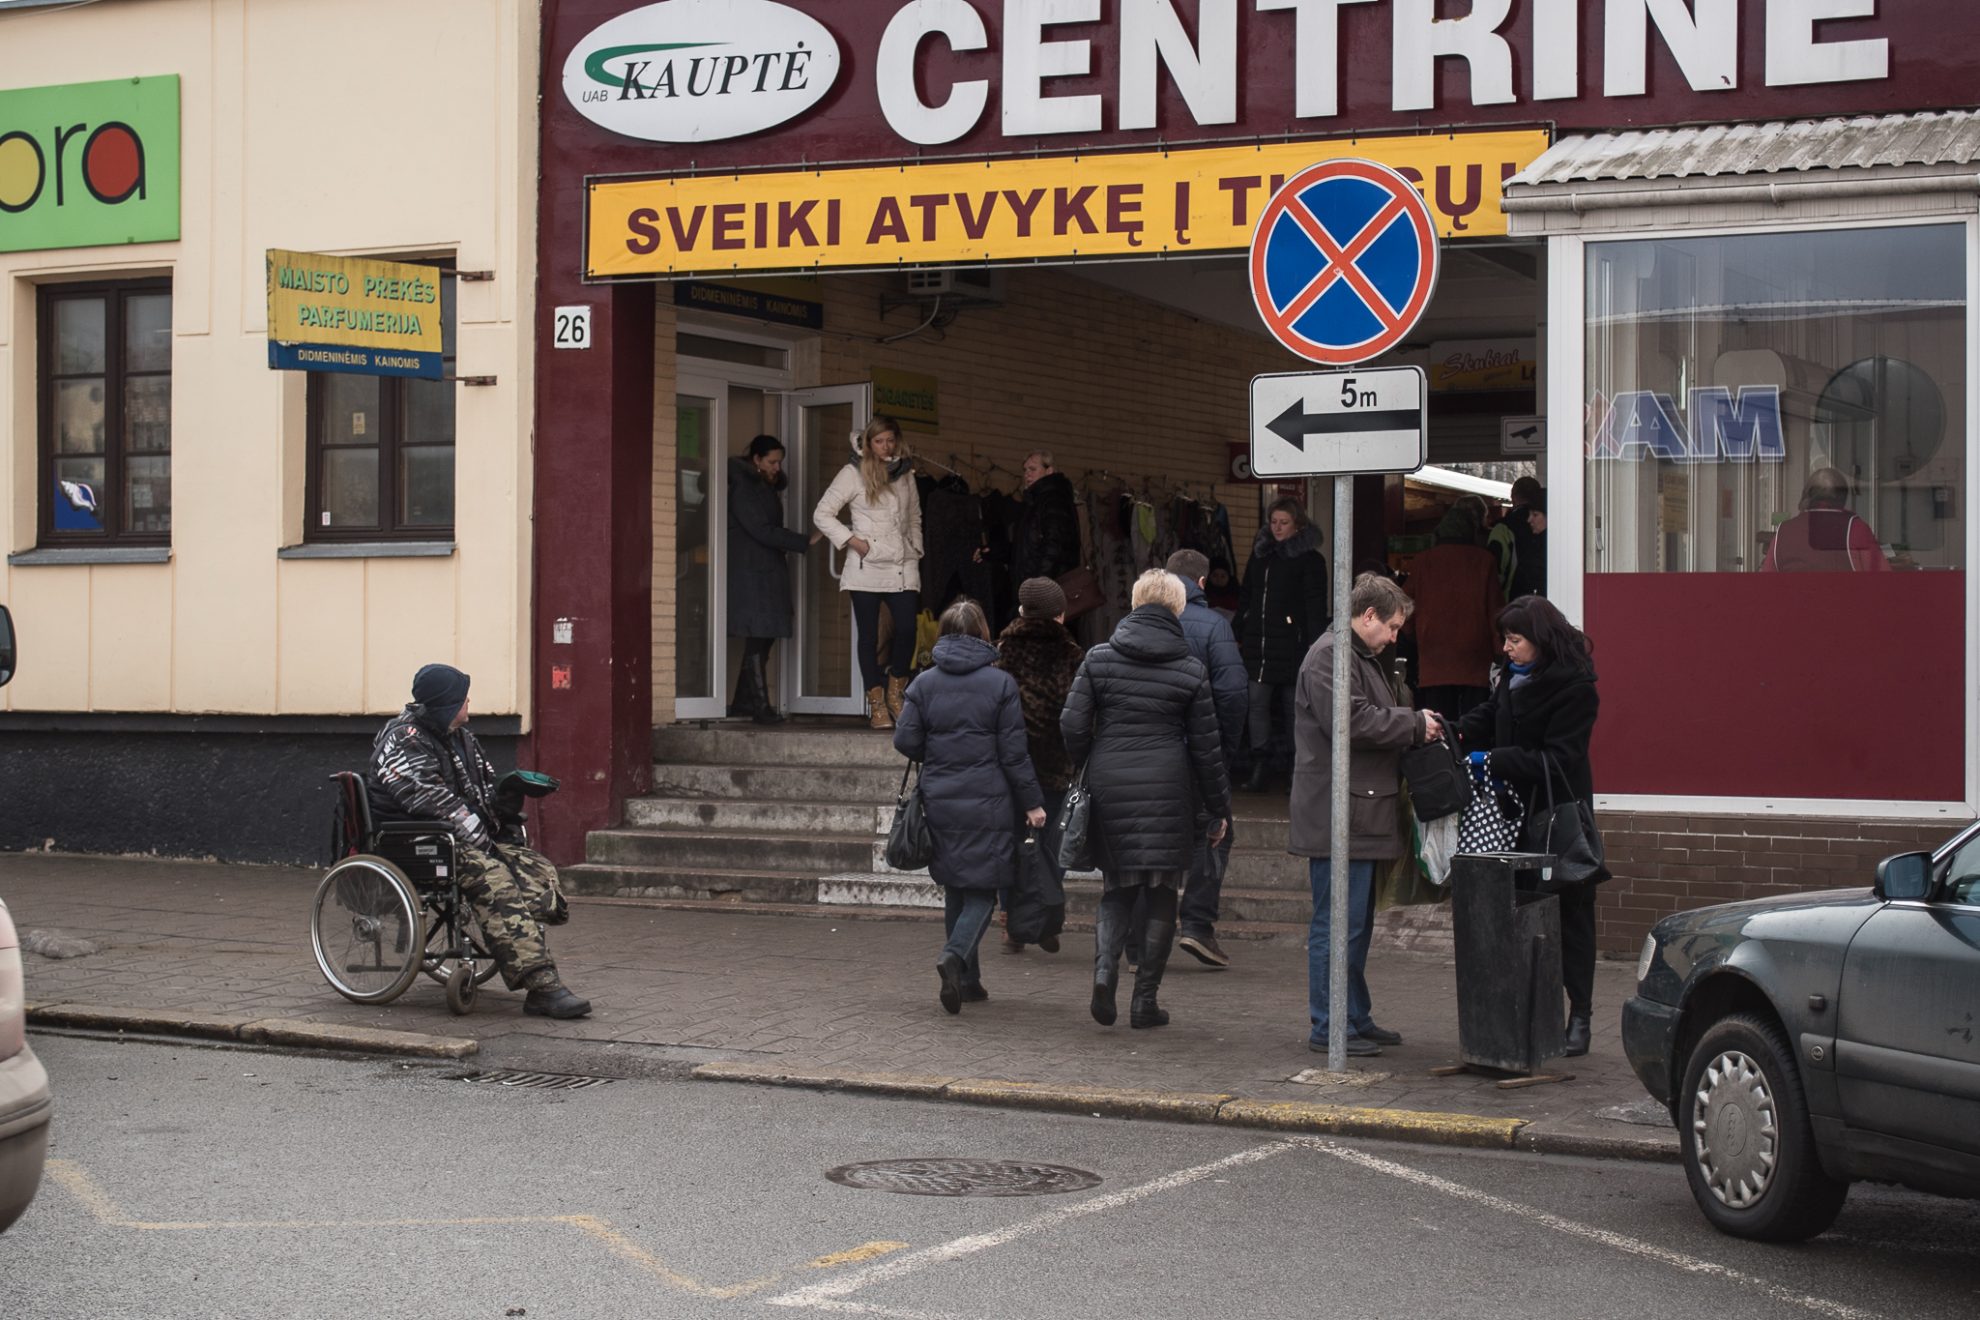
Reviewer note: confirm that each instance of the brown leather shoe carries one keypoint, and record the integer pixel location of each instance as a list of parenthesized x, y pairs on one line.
[(896, 694), (877, 715)]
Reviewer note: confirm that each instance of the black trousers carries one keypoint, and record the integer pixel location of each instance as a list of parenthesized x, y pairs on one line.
[(1206, 882), (866, 622)]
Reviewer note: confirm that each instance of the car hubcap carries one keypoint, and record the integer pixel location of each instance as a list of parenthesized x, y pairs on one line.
[(1734, 1130)]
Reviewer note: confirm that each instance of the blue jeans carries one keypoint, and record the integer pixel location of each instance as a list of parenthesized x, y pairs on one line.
[(965, 916), (1319, 946)]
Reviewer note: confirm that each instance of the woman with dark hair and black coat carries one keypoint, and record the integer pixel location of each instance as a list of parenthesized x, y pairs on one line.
[(1141, 718), (1286, 608), (1545, 705), (759, 578), (964, 721)]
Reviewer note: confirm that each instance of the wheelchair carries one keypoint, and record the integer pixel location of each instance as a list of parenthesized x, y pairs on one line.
[(390, 907)]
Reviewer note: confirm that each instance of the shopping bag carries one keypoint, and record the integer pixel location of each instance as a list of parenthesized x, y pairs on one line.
[(1565, 830), (1075, 826), (1038, 901), (1485, 827), (1407, 881), (910, 843)]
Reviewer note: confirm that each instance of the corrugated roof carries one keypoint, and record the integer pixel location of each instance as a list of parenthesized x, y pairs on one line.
[(1944, 138)]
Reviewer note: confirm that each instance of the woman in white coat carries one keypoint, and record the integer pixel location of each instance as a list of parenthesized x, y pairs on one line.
[(882, 540)]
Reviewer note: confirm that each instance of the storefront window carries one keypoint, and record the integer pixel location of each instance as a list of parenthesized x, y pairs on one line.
[(1776, 512), (106, 413)]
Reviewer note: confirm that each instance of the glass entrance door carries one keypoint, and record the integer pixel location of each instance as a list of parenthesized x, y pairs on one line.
[(700, 408), (822, 678)]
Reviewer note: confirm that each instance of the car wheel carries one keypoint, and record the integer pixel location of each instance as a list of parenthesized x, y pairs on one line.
[(1743, 1130)]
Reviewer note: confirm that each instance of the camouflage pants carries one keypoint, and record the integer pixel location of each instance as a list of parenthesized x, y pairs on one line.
[(513, 894)]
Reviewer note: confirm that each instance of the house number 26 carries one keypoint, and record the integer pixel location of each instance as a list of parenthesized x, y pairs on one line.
[(572, 327)]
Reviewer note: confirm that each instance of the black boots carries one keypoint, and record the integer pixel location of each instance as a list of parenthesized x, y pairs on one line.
[(1157, 938), (1577, 1035), (753, 690), (1110, 927), (555, 1001)]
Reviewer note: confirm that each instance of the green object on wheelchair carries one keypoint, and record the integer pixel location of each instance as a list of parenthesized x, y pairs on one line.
[(527, 783)]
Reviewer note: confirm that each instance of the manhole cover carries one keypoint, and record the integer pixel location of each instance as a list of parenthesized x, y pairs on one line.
[(536, 1081), (937, 1177)]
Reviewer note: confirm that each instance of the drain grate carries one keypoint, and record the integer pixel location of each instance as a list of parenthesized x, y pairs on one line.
[(537, 1081), (945, 1177)]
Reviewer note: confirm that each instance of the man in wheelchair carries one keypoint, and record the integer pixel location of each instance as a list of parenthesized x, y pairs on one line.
[(425, 765)]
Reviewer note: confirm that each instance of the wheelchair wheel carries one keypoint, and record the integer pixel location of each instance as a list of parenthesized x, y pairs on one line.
[(438, 942), (461, 988), (367, 930)]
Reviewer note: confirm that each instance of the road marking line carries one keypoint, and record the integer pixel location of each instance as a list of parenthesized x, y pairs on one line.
[(817, 1294), (866, 1251), (103, 1207), (1616, 1241), (886, 1312)]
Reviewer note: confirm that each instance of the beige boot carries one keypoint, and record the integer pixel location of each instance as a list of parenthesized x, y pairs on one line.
[(896, 694), (876, 709)]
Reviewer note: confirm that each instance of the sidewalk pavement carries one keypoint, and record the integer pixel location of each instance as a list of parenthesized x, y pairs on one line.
[(822, 999)]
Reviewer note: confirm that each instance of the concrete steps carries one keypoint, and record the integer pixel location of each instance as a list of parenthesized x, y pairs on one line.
[(794, 817)]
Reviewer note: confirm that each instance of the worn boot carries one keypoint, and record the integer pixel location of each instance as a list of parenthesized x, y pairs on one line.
[(747, 699), (548, 996), (1157, 938), (1577, 1035), (756, 665), (896, 694), (1109, 937), (877, 716)]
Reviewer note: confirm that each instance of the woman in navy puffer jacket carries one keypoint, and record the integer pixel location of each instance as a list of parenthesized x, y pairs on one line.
[(964, 722)]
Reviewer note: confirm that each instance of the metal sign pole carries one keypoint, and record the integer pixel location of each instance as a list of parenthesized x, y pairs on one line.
[(1339, 861)]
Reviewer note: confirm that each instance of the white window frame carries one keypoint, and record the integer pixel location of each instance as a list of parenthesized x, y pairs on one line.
[(1567, 489)]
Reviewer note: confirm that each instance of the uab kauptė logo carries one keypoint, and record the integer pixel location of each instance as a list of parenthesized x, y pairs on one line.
[(701, 70), (106, 160)]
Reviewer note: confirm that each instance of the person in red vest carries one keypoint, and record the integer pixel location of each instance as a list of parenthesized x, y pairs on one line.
[(1825, 537)]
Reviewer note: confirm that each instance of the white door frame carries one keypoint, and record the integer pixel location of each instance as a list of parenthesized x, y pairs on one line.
[(852, 701), (715, 389)]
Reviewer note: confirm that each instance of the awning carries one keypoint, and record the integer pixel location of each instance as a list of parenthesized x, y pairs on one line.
[(1863, 155)]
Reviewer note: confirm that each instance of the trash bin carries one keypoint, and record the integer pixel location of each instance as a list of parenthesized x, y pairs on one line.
[(1508, 964)]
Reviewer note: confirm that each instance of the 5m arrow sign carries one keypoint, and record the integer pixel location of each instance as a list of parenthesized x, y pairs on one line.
[(1339, 423)]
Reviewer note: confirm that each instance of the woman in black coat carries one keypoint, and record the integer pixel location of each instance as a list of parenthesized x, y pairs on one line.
[(1545, 703), (1141, 718), (1286, 595), (963, 720), (759, 581)]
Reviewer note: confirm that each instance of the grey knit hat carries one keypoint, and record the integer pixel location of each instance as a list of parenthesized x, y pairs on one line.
[(1041, 598)]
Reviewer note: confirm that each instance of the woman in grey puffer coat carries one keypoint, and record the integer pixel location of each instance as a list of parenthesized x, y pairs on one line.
[(963, 720), (1141, 718)]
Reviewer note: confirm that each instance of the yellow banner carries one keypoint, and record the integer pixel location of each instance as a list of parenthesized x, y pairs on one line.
[(316, 299), (1177, 202)]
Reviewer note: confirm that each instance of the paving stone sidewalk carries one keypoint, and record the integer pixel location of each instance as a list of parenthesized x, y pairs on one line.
[(811, 992)]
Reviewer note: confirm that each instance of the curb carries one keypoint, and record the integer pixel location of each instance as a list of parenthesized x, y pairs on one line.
[(1422, 1127), (252, 1031)]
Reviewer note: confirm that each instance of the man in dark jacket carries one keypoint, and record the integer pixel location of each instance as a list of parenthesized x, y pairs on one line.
[(1045, 542), (425, 765), (1519, 542), (1287, 604), (1379, 729), (1211, 641)]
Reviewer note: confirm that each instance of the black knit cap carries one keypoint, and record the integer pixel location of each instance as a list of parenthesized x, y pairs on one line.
[(441, 690)]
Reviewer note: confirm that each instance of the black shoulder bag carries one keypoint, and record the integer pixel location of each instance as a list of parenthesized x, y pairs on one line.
[(910, 843), (1076, 826), (1567, 831)]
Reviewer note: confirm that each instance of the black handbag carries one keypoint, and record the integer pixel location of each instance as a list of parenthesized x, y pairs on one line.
[(1566, 830), (1038, 900), (1438, 783), (910, 843), (1075, 826)]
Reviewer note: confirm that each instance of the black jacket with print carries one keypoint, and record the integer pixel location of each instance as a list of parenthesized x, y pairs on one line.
[(419, 774)]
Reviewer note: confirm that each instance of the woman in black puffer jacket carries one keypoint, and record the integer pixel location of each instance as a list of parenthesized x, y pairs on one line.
[(964, 722), (1141, 718), (1546, 704), (1285, 610)]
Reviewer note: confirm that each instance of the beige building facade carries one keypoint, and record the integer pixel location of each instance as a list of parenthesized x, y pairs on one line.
[(322, 535)]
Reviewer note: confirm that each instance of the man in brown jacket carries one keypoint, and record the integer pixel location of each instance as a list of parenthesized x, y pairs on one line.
[(1379, 729), (1455, 584)]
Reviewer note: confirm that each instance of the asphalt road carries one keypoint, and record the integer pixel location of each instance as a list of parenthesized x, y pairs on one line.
[(187, 1182)]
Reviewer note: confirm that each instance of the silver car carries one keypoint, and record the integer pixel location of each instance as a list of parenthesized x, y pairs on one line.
[(25, 1104)]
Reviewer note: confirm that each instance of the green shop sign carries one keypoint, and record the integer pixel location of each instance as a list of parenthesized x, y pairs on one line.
[(89, 164)]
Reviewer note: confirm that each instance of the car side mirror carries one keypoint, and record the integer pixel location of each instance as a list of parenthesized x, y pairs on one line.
[(6, 646), (1907, 875)]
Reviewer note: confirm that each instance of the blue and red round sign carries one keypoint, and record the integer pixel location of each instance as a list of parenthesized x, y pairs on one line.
[(1343, 261)]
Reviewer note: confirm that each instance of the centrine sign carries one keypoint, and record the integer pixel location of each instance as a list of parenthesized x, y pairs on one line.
[(352, 315)]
